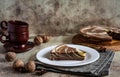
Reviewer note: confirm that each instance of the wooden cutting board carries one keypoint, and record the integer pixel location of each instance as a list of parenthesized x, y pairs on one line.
[(113, 45)]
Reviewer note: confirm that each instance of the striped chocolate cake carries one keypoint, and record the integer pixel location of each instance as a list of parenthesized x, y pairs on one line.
[(64, 52)]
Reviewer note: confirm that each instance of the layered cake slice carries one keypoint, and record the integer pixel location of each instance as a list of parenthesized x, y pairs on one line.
[(95, 34), (64, 52)]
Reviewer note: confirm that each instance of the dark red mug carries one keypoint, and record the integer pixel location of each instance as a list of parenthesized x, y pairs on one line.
[(18, 33)]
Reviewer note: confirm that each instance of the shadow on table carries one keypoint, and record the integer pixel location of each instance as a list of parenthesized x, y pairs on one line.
[(2, 49), (67, 40)]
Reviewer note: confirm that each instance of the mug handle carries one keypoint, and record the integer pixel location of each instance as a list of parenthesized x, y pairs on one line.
[(3, 26)]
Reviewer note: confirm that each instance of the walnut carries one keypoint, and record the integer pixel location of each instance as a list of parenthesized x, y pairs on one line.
[(30, 66), (38, 40), (46, 38), (10, 56), (18, 65)]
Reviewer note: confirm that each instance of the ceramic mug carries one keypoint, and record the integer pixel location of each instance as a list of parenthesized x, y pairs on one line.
[(18, 33)]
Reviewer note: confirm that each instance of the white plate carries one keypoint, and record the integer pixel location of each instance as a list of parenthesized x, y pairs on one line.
[(92, 56)]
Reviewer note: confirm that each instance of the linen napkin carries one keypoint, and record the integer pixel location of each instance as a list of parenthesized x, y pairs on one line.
[(95, 69)]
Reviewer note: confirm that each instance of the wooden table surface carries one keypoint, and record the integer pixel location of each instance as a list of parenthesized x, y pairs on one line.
[(7, 71)]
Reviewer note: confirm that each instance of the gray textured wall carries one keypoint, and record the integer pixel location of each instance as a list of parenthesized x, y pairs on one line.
[(61, 16)]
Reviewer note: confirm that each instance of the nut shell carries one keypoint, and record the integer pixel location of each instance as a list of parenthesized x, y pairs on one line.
[(30, 66), (10, 56), (45, 38), (38, 40), (18, 65)]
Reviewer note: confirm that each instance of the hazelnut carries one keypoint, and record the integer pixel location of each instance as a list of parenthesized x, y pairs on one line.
[(45, 38), (30, 66), (10, 56), (38, 40), (18, 65)]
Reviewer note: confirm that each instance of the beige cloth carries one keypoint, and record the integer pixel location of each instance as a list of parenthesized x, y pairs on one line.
[(7, 71)]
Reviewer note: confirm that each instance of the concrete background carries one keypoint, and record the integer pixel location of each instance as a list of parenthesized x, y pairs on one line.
[(61, 17)]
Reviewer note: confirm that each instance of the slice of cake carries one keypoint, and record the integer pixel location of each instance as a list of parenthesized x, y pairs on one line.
[(64, 52), (114, 33)]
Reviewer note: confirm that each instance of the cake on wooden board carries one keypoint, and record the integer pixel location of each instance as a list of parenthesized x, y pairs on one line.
[(95, 34), (100, 38)]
